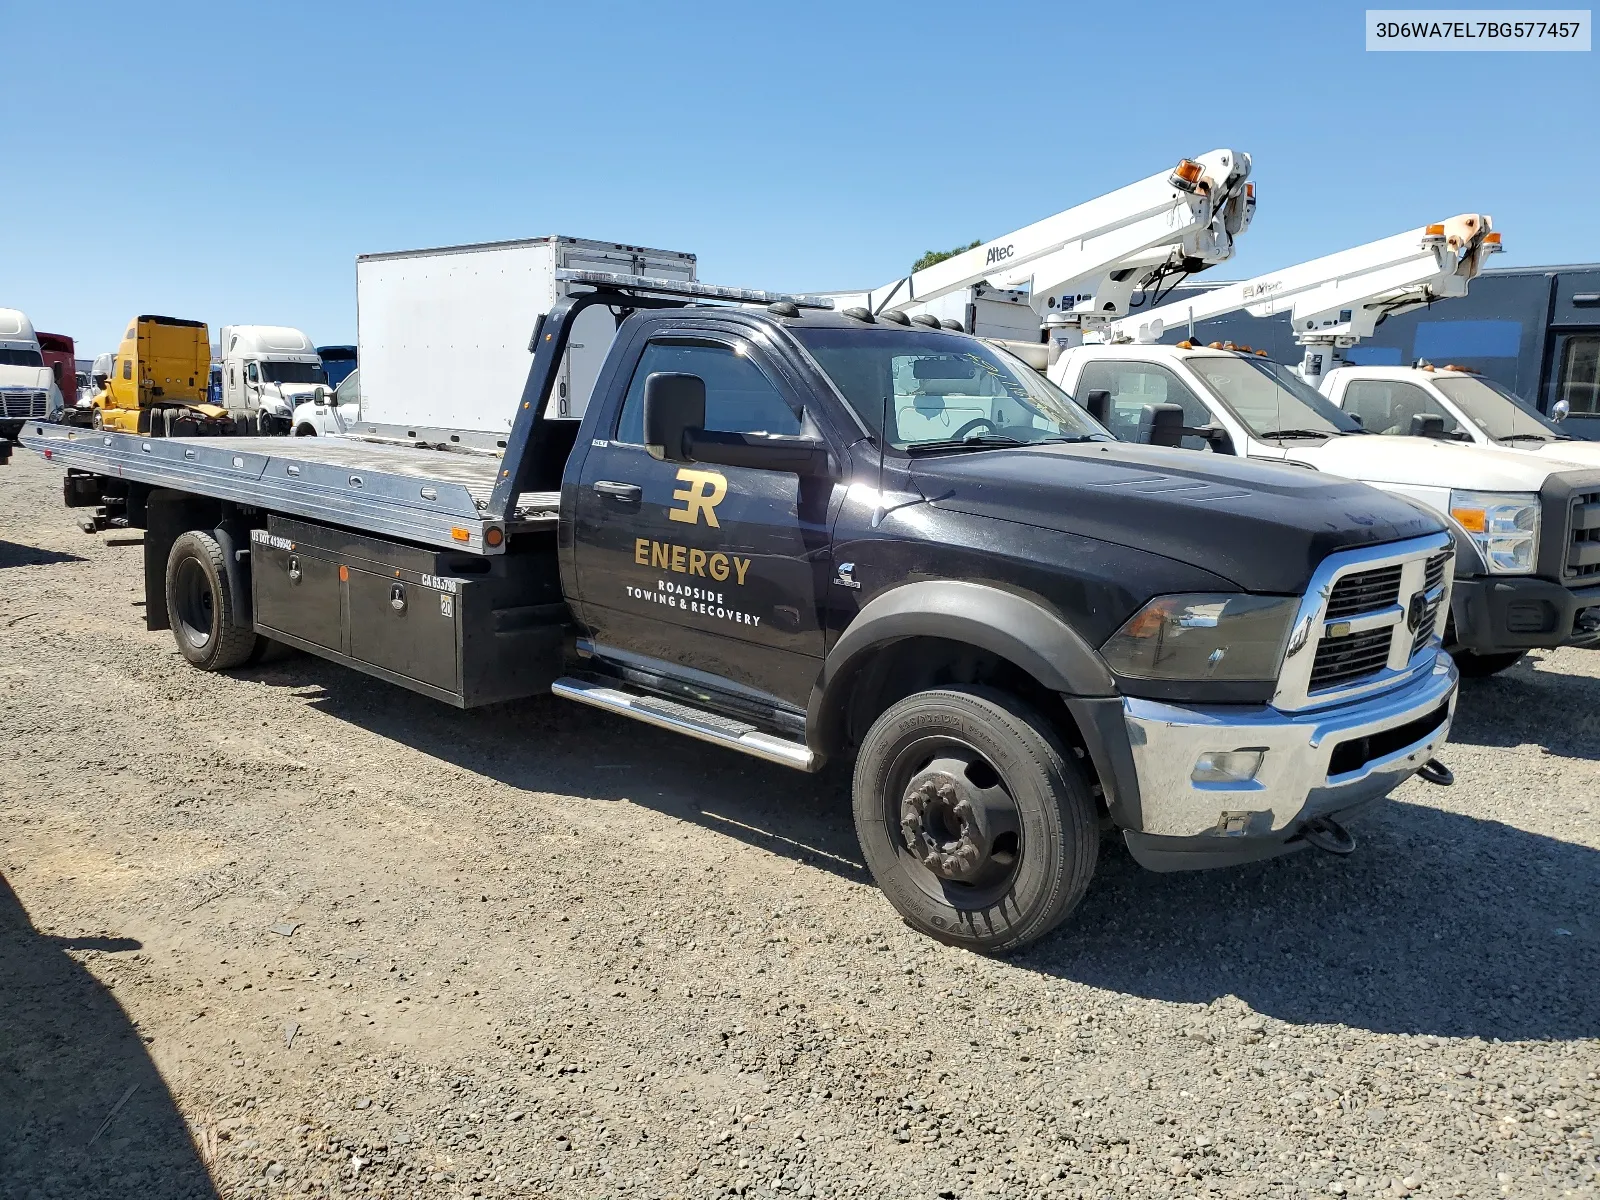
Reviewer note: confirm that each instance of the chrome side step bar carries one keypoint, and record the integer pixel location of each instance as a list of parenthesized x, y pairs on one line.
[(696, 723)]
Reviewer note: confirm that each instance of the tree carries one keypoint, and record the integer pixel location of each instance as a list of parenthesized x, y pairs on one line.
[(938, 256)]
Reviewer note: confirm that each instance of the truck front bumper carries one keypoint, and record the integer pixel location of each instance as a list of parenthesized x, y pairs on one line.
[(1495, 614), (1312, 764)]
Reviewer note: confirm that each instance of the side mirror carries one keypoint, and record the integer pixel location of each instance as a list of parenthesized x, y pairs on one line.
[(1161, 425), (674, 403), (1356, 417), (1560, 410), (1428, 425), (319, 394), (1098, 403)]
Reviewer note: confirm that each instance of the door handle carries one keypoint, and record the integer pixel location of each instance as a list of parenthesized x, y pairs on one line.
[(624, 493)]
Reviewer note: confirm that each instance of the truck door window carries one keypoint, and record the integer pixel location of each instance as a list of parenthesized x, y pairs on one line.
[(127, 368), (1579, 380), (251, 373), (1387, 406), (739, 397), (1133, 385)]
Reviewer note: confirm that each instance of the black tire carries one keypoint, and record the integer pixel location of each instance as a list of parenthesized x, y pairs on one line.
[(201, 607), (97, 420), (936, 751), (1480, 666), (304, 430)]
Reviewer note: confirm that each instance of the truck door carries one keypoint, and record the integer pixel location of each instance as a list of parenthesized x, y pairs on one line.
[(713, 573)]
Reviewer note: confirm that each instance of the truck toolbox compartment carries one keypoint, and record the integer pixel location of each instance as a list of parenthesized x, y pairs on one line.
[(408, 628), (455, 626)]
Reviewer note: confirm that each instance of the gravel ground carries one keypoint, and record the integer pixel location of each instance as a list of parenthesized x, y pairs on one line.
[(292, 931)]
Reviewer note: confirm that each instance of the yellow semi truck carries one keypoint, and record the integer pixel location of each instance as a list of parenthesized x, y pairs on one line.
[(158, 382)]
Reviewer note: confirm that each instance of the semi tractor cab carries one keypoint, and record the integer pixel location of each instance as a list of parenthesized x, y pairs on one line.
[(810, 536), (27, 388), (1527, 566), (267, 372), (157, 384), (338, 362)]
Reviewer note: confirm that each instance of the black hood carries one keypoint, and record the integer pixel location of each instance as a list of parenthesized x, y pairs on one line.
[(1264, 527)]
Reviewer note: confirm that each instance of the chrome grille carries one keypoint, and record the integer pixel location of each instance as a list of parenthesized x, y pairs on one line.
[(1432, 584), (1341, 660), (1583, 550), (22, 404), (1433, 575), (1364, 592), (1353, 634)]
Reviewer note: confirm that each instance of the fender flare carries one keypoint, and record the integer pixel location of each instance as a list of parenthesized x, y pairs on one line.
[(1003, 623)]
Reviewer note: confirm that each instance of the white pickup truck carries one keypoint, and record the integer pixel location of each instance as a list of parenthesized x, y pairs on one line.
[(1455, 403), (1526, 525)]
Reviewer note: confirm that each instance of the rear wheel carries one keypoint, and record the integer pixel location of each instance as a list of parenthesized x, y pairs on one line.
[(980, 829), (201, 606), (1479, 666)]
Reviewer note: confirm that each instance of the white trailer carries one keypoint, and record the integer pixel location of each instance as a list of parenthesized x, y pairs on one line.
[(445, 334)]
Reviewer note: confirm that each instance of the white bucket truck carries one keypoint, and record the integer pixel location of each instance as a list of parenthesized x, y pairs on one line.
[(1455, 403), (1526, 527)]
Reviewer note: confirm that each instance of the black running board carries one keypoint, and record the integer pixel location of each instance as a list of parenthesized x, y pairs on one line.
[(693, 722)]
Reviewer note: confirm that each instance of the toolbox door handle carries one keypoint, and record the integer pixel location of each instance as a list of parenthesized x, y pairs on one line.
[(294, 568), (623, 493)]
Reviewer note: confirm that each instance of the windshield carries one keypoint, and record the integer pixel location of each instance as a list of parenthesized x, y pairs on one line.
[(293, 372), (943, 388), (21, 358), (1499, 413), (1268, 397)]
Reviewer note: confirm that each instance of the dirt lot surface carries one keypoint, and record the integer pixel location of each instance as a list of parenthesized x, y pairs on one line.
[(291, 931)]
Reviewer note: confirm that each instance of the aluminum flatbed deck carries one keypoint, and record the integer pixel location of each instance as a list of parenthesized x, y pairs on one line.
[(432, 497)]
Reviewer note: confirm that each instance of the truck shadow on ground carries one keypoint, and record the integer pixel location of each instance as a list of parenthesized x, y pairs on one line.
[(1530, 706), (14, 554), (1440, 923), (68, 1056)]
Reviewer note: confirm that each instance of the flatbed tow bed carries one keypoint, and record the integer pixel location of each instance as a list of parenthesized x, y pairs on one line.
[(431, 497)]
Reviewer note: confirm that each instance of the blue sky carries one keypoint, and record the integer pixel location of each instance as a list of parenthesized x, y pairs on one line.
[(228, 162)]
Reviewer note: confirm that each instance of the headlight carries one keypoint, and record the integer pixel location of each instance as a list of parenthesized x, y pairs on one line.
[(1209, 636), (1504, 525)]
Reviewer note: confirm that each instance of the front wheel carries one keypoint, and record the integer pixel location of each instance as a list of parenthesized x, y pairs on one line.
[(980, 829), (201, 606)]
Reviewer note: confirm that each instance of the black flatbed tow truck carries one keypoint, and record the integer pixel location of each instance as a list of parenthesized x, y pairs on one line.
[(813, 536)]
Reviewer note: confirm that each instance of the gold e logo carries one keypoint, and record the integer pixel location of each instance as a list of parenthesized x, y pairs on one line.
[(701, 492)]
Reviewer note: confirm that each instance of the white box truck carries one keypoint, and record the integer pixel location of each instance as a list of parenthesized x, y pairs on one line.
[(444, 335)]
